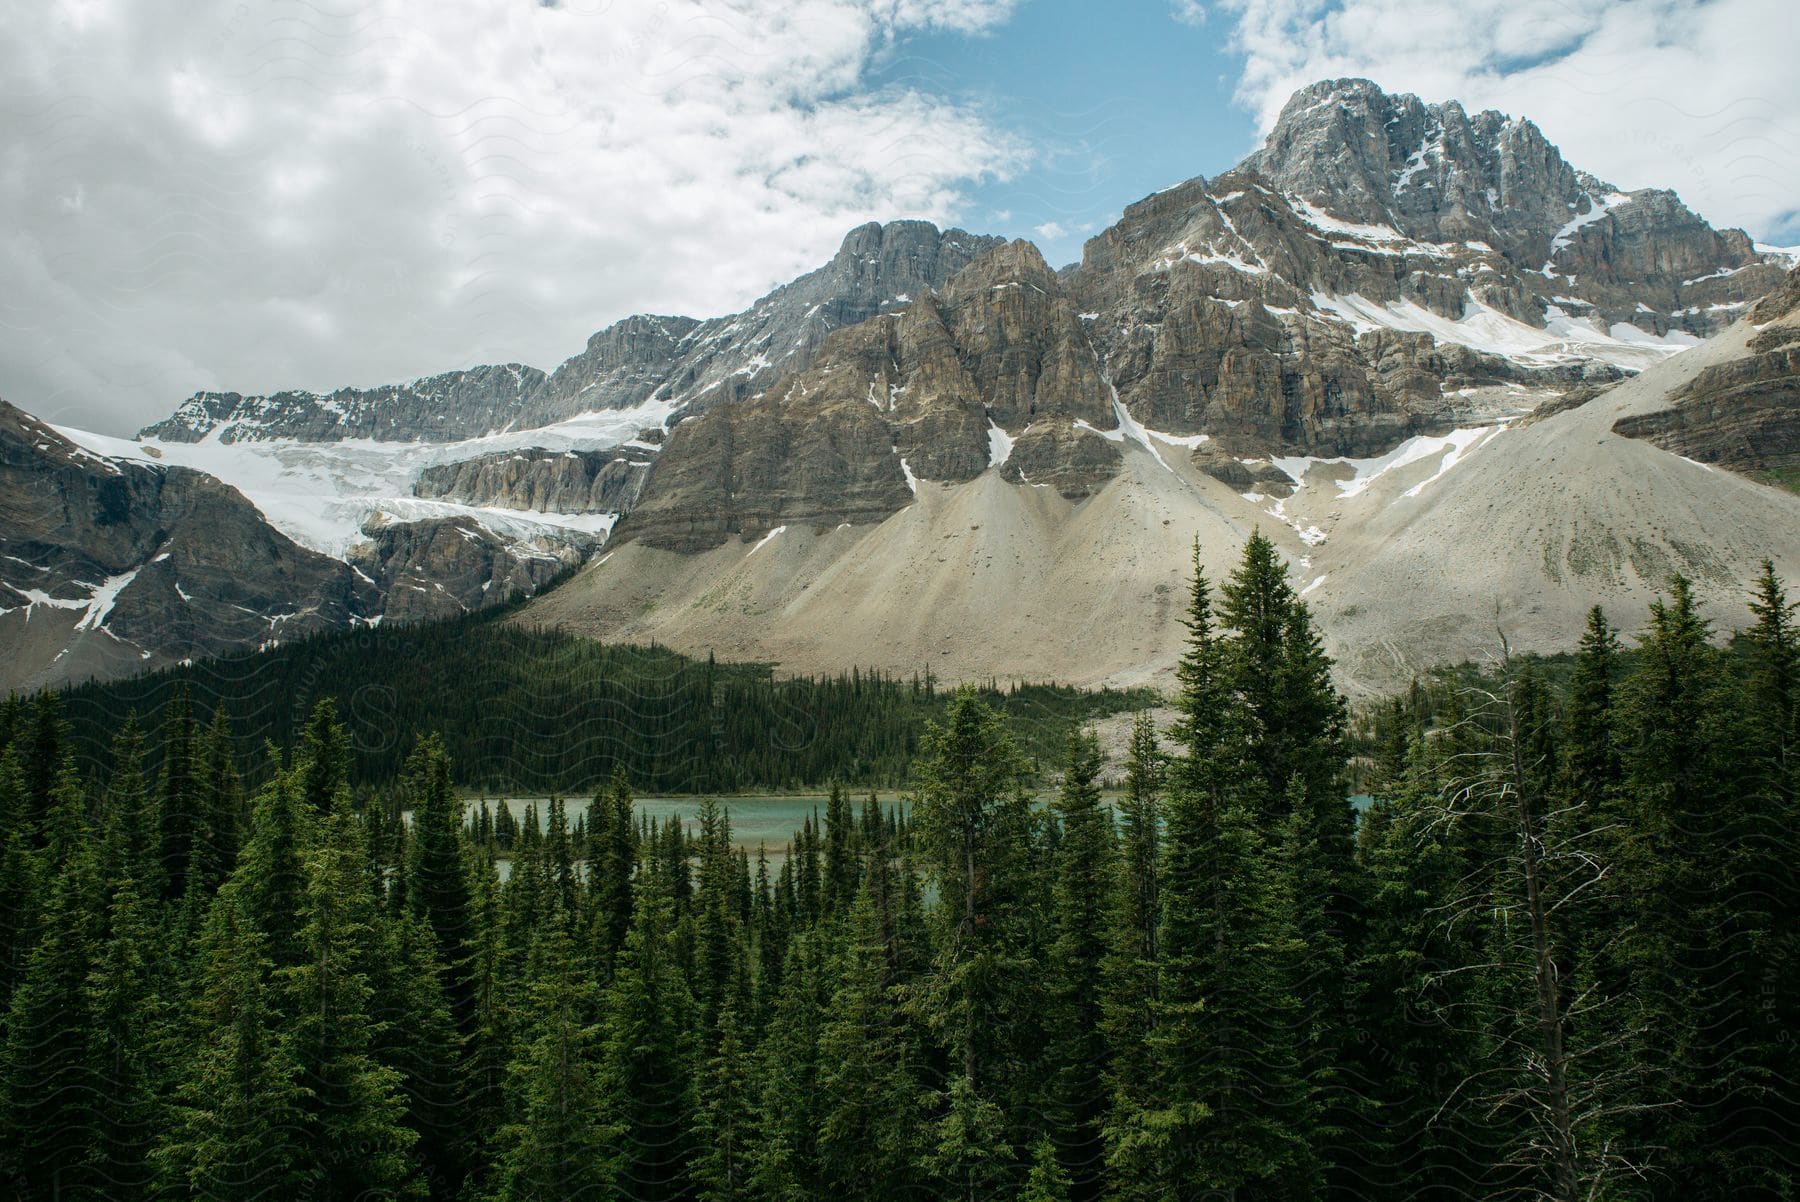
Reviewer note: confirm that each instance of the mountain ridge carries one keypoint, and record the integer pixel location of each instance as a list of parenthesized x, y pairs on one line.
[(623, 365), (1319, 148), (1360, 291)]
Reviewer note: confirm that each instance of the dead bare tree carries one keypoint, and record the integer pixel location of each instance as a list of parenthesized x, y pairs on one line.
[(1560, 1072)]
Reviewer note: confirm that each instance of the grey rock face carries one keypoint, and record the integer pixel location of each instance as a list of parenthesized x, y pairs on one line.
[(125, 566), (1438, 175), (910, 393), (542, 480), (457, 404), (1256, 476), (813, 449), (1201, 303), (1745, 414), (622, 365), (1214, 308), (1056, 453), (441, 567), (1429, 170), (642, 358), (878, 269)]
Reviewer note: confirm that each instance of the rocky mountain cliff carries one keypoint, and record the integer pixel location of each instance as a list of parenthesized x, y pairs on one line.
[(1417, 557), (544, 480), (1743, 414), (996, 366), (697, 365), (440, 567), (683, 360), (1442, 177), (453, 405), (1383, 269), (110, 566)]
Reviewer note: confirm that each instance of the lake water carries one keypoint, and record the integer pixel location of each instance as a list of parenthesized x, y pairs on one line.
[(754, 820)]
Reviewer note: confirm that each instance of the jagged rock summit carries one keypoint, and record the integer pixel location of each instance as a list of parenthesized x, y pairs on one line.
[(682, 361), (1438, 175), (1382, 270)]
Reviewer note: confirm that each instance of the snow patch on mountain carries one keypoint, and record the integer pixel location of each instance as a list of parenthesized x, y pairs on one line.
[(320, 493), (1448, 449), (1000, 445), (1483, 328)]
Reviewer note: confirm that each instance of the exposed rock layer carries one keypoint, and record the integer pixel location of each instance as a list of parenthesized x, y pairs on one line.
[(1743, 414), (916, 395), (110, 565), (546, 481), (441, 567), (453, 405)]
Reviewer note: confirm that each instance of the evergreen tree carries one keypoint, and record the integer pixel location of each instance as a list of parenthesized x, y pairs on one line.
[(840, 853), (270, 877), (239, 1122), (556, 1148), (974, 826), (804, 859), (412, 1033), (19, 876), (46, 1071), (126, 1005), (1048, 1182), (792, 1104), (42, 756), (324, 758), (12, 722), (219, 830), (129, 815), (1290, 720), (1085, 871), (357, 1144), (1591, 767), (1128, 977), (724, 1134), (1760, 856), (871, 1135), (1413, 999), (1231, 1109), (612, 855), (438, 876), (1672, 715), (483, 1077), (559, 865), (646, 1077), (971, 1159), (176, 802), (716, 922), (526, 890)]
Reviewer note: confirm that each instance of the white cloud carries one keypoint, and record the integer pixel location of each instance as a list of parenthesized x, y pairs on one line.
[(205, 193), (1050, 230), (1188, 12), (1697, 95)]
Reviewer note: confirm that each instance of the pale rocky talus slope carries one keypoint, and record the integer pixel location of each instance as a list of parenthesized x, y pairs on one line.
[(1520, 530)]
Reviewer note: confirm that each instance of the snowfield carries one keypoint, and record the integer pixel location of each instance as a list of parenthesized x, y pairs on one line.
[(320, 493), (1483, 328)]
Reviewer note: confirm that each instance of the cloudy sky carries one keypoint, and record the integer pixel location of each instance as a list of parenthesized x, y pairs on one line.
[(256, 194)]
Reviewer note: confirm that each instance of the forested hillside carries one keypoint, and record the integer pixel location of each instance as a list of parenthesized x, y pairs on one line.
[(1553, 960), (532, 711)]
